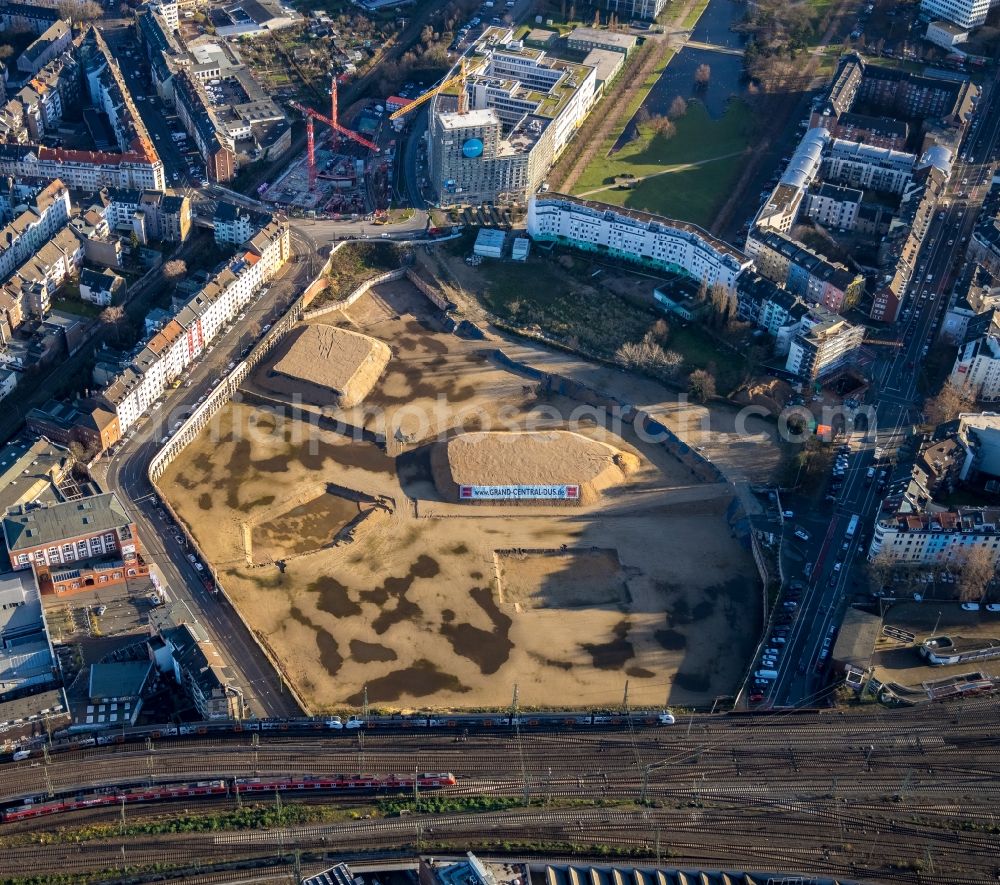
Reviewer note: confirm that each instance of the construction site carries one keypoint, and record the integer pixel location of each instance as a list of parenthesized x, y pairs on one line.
[(338, 176), (434, 528)]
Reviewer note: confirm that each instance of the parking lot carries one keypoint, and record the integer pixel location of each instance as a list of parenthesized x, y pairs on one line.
[(182, 162)]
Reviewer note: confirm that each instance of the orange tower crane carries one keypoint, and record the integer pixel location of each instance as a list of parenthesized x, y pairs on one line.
[(333, 122)]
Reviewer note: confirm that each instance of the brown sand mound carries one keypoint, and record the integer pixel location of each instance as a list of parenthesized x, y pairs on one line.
[(555, 457), (340, 360)]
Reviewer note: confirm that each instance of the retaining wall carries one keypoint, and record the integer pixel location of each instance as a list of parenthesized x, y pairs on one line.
[(218, 398), (397, 274)]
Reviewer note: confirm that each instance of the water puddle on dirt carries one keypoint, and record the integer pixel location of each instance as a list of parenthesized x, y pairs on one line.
[(487, 649), (420, 681), (329, 652), (612, 655), (370, 652), (397, 588), (333, 598)]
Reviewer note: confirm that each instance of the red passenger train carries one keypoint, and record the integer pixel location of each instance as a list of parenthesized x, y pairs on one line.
[(327, 783)]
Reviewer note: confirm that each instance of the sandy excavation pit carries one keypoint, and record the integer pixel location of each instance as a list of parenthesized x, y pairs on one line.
[(327, 365), (301, 528), (412, 607), (561, 579)]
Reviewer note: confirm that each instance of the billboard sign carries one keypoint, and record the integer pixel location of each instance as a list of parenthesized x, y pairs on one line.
[(473, 148), (520, 493)]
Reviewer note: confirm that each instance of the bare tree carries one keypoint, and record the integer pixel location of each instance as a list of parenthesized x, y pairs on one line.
[(702, 76), (701, 385), (113, 316), (678, 107), (174, 269), (648, 356), (81, 10), (948, 404), (881, 567), (975, 571), (663, 126)]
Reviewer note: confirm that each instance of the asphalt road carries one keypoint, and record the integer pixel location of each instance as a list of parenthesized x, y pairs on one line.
[(126, 474), (152, 109), (896, 400)]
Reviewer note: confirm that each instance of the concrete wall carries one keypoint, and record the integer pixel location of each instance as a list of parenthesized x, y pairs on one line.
[(356, 294)]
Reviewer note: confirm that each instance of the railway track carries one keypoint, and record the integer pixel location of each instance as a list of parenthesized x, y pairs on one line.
[(747, 834), (872, 798)]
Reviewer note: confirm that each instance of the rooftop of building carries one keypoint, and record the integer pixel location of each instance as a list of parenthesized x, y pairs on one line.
[(826, 325), (605, 62), (599, 35), (801, 255), (34, 707), (972, 520), (26, 526), (845, 149), (20, 610), (32, 472), (118, 680), (840, 193), (473, 871), (881, 125), (856, 638), (56, 31)]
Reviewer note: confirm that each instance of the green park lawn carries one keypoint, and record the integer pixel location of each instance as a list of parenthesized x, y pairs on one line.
[(692, 194)]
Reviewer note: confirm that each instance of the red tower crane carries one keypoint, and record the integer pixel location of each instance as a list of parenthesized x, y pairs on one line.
[(333, 122)]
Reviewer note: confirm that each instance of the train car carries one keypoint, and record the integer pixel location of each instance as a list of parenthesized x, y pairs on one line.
[(219, 787), (570, 719)]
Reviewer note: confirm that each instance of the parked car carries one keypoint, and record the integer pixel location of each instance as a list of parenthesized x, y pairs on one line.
[(970, 606)]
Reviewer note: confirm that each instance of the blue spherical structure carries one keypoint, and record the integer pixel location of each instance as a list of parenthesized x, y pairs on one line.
[(473, 148)]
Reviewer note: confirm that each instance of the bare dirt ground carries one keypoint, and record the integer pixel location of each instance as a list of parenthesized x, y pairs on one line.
[(646, 585), (741, 442)]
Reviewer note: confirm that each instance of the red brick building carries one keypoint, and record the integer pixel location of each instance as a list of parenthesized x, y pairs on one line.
[(75, 545)]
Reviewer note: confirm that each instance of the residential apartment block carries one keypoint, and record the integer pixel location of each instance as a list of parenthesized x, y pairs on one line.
[(936, 538), (232, 224), (149, 214), (248, 125), (833, 206), (169, 351), (132, 161), (866, 167), (635, 236), (823, 343), (74, 545), (977, 367), (861, 87), (964, 13), (804, 272), (179, 645), (51, 42)]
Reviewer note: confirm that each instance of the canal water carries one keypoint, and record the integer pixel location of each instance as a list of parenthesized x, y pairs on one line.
[(714, 27)]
